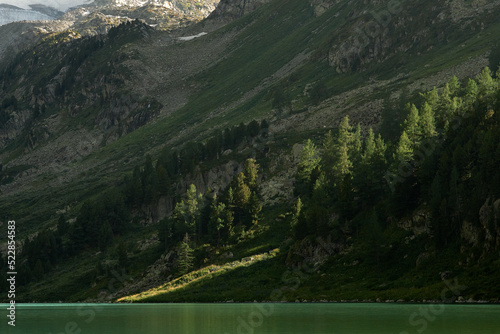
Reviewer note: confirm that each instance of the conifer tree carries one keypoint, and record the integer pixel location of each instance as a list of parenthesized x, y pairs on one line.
[(345, 133), (309, 161), (187, 212), (242, 192), (432, 98), (343, 166), (254, 208), (357, 145), (329, 154), (184, 256), (471, 92), (251, 171), (486, 84), (369, 147), (427, 121), (217, 218), (454, 86), (404, 151), (411, 125)]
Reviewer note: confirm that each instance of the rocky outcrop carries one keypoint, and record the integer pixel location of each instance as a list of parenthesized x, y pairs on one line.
[(97, 18), (321, 6), (312, 253), (375, 36), (233, 9), (483, 238)]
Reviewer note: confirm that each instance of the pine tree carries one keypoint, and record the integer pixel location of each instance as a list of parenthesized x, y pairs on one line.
[(411, 125), (187, 212), (345, 136), (379, 162), (242, 192), (184, 256), (343, 166), (486, 84), (432, 98), (251, 171), (404, 151), (454, 86), (309, 161), (427, 122), (253, 128), (365, 173), (471, 92), (369, 150), (217, 218), (254, 208), (329, 154), (357, 146), (320, 191)]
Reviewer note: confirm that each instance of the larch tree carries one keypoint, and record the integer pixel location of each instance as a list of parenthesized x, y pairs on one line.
[(411, 125), (184, 256), (427, 121)]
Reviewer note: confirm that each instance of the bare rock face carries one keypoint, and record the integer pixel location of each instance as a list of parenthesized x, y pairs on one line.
[(376, 35), (484, 238), (97, 18), (233, 9)]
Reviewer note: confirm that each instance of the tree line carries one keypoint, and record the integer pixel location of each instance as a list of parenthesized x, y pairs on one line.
[(108, 216), (216, 219), (446, 159)]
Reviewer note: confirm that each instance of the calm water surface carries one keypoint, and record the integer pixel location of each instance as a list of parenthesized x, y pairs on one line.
[(253, 318)]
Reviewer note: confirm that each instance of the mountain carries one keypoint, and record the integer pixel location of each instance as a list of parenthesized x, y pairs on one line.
[(94, 18), (178, 156), (229, 9), (10, 14)]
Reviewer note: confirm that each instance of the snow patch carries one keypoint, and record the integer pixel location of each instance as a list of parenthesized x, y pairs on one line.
[(188, 38)]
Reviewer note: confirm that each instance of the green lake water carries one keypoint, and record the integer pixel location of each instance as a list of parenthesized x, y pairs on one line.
[(252, 318)]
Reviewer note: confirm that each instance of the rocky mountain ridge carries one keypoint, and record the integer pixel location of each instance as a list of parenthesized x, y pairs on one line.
[(97, 18)]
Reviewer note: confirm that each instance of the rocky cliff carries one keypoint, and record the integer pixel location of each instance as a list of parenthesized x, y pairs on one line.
[(232, 9), (96, 18)]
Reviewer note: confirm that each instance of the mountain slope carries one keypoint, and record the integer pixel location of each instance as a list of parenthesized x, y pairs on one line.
[(96, 18), (86, 110)]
